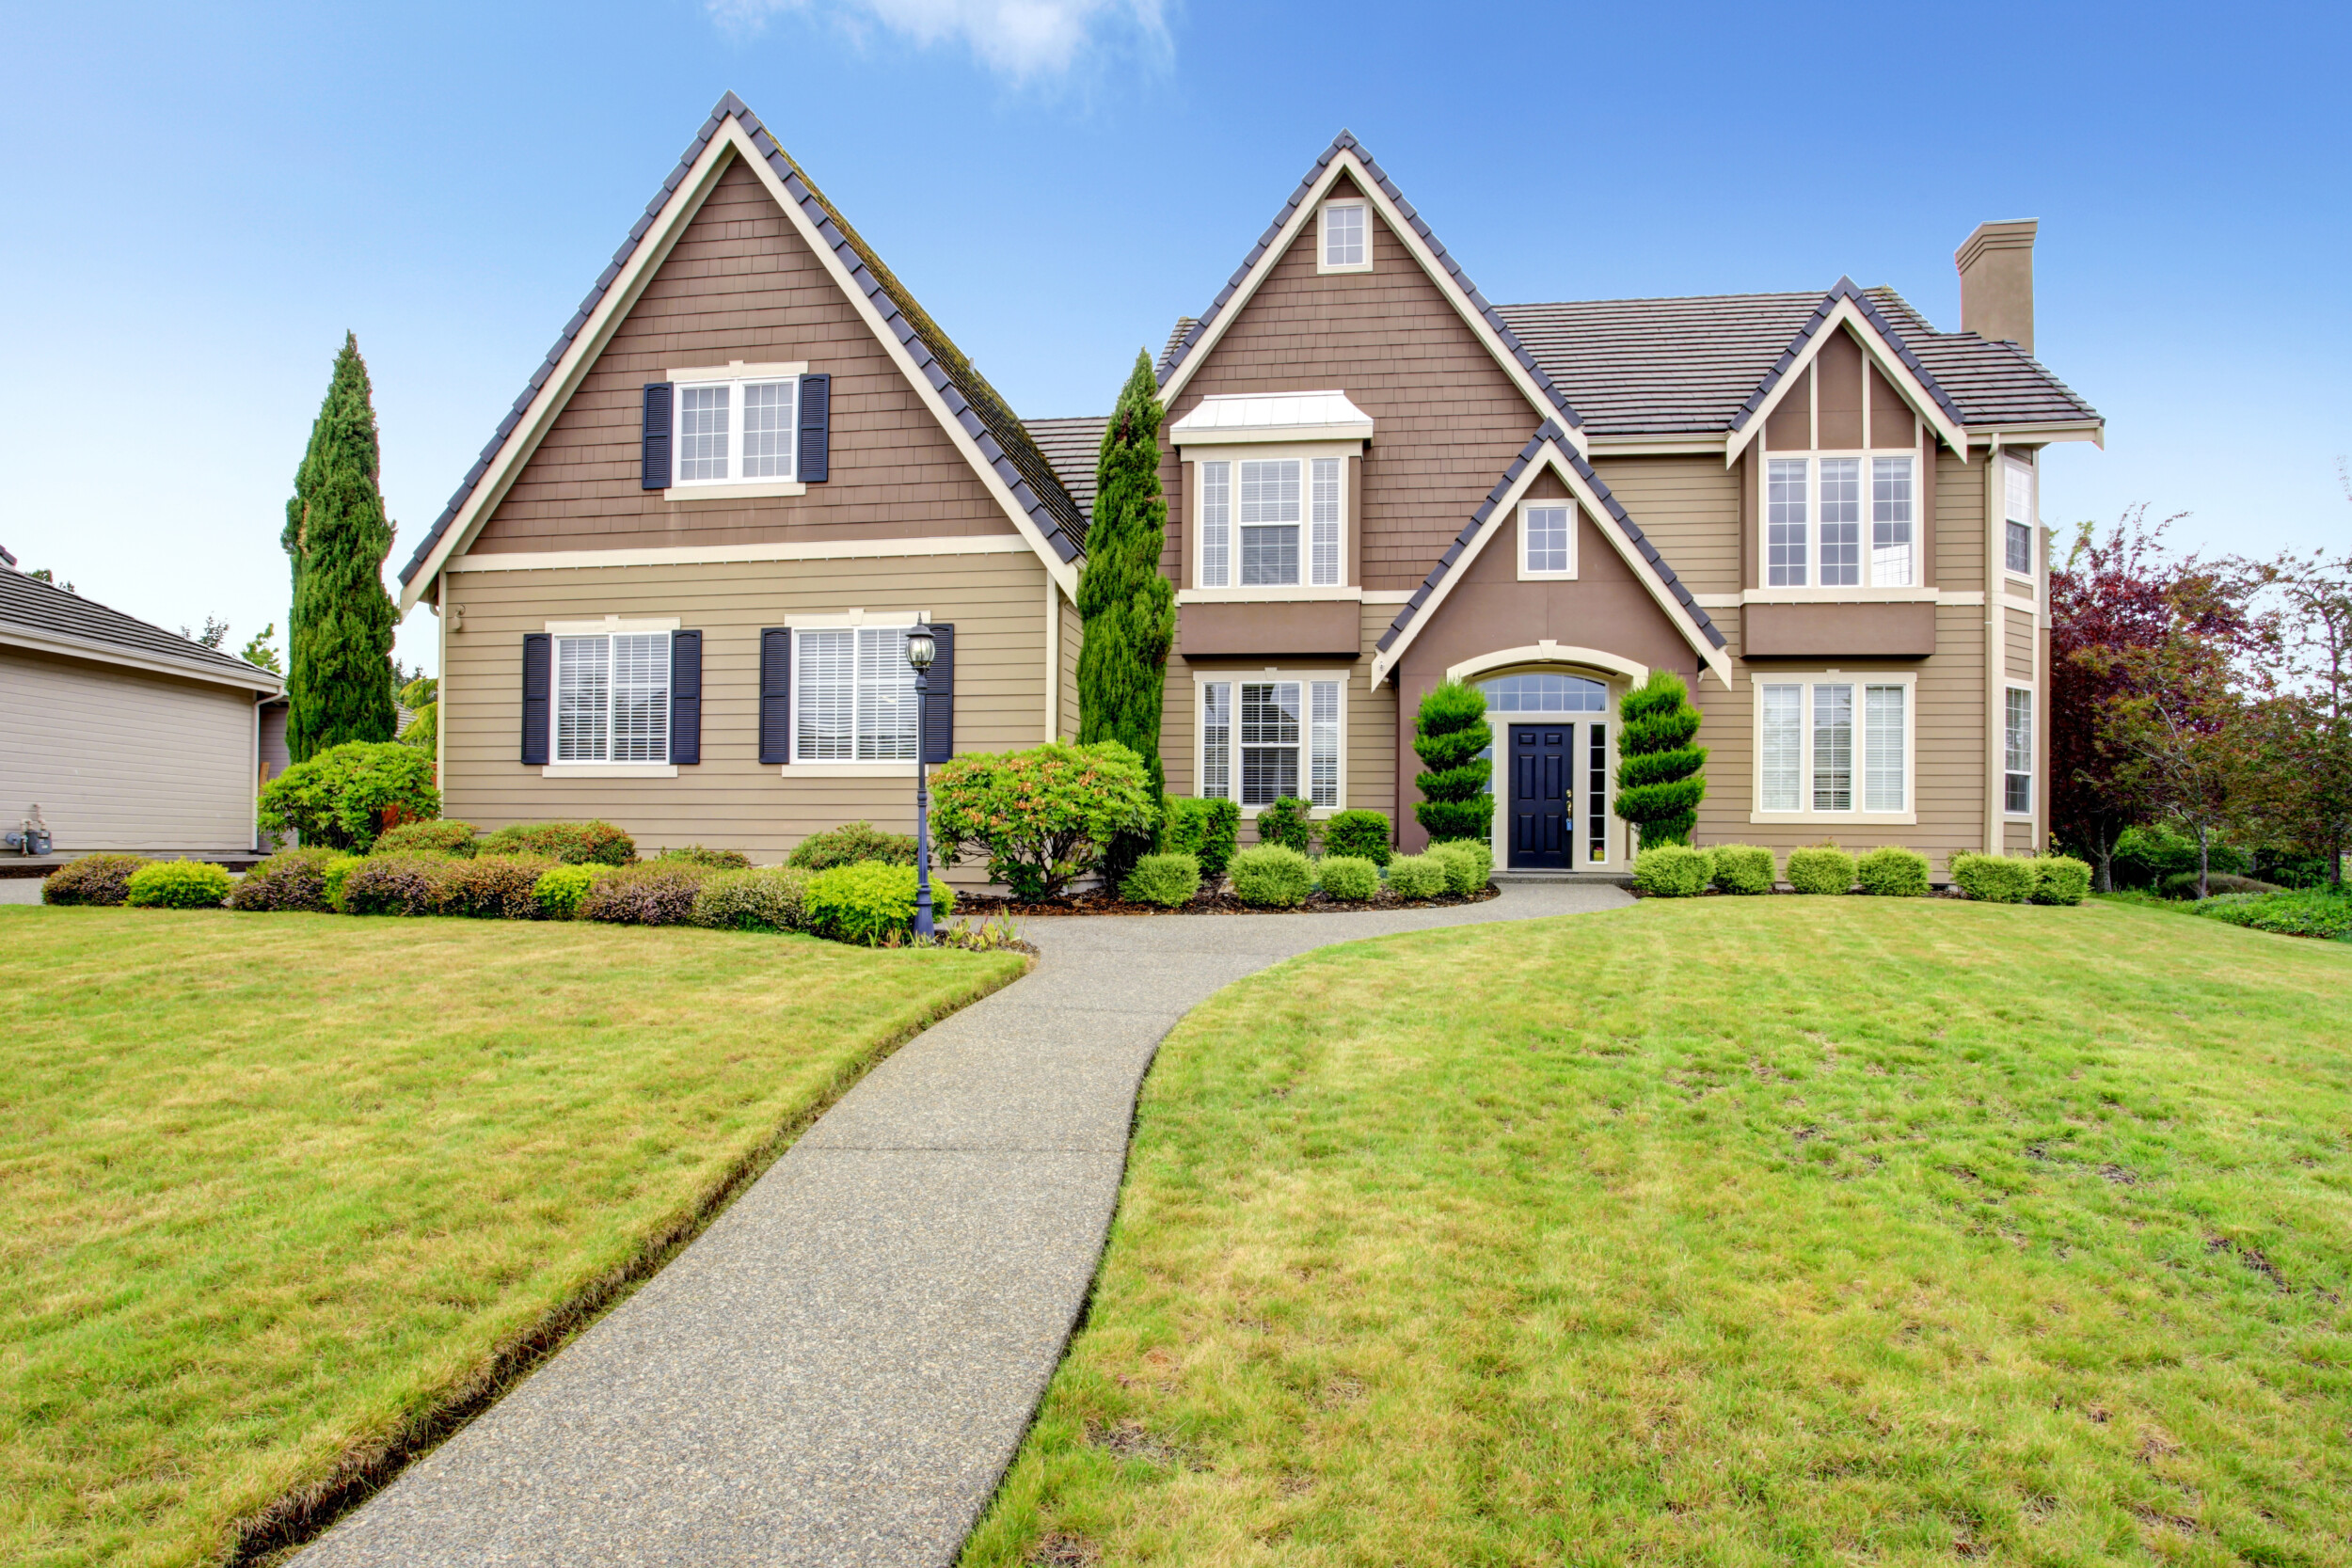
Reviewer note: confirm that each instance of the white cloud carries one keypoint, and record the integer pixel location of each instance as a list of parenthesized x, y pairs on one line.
[(1017, 38)]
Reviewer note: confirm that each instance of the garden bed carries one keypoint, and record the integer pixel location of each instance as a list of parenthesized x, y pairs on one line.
[(1105, 902)]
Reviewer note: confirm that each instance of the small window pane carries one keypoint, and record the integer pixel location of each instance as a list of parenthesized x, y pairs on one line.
[(768, 429), (1269, 518), (2017, 492), (1890, 522), (583, 697), (1326, 522), (1269, 741), (1217, 740), (1547, 532), (1323, 774), (1343, 236), (1781, 767), (1545, 694), (2021, 549), (1832, 748), (641, 698), (1841, 522), (824, 708), (886, 696), (1785, 522), (1883, 748), (702, 432), (2017, 748), (1216, 524), (1597, 794)]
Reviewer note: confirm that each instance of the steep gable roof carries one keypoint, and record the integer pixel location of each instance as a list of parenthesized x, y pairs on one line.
[(37, 613), (1003, 443), (1075, 447)]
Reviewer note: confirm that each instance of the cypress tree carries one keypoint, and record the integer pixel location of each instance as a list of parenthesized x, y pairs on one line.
[(1126, 605), (339, 641), (1659, 787), (1447, 736)]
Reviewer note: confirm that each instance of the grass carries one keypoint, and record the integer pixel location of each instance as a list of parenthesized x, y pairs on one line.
[(1735, 1232), (277, 1191)]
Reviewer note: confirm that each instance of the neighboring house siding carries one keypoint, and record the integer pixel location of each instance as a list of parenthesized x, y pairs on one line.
[(121, 759), (276, 759), (740, 284), (731, 799)]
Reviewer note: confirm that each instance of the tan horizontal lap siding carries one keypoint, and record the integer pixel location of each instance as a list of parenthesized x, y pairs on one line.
[(732, 799), (1073, 639), (2020, 643), (1367, 739), (121, 759), (1689, 507), (1958, 524)]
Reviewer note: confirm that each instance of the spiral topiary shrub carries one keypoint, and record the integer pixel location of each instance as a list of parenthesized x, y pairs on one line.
[(769, 898), (1820, 868), (591, 843), (1288, 822), (561, 891), (1170, 881), (1742, 868), (849, 844), (178, 885), (96, 881), (1469, 864), (868, 902), (1359, 834), (1671, 871), (1447, 736), (1271, 876), (1349, 879), (1891, 871), (1658, 787), (440, 836), (2060, 879), (393, 885), (1208, 830), (493, 887), (1417, 877), (292, 879), (1994, 878)]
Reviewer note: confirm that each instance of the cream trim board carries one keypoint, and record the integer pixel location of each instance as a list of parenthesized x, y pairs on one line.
[(608, 770), (1838, 595), (734, 490), (1323, 236), (1529, 573), (1286, 595), (1882, 360), (851, 770), (842, 619), (1388, 595), (614, 625), (1714, 659), (1548, 652), (834, 550), (1203, 679), (1807, 679), (736, 370)]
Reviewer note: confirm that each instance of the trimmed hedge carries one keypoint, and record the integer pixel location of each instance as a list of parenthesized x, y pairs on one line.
[(1359, 835), (591, 843), (1742, 868), (96, 881), (868, 902), (440, 836), (1994, 878), (1672, 871), (1820, 868), (1350, 878), (1289, 823), (1469, 864), (290, 880), (393, 884), (562, 891), (715, 860), (178, 885), (1208, 830), (493, 887), (1272, 875), (1417, 877), (849, 844), (2060, 879), (651, 892), (1892, 871), (1170, 881), (770, 898)]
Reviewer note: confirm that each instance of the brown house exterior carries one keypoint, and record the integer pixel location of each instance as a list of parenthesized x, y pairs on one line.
[(1816, 508)]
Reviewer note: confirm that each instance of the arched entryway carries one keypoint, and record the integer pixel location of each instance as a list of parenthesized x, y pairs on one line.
[(1555, 715)]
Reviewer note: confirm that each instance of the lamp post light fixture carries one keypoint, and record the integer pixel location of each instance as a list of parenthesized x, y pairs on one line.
[(922, 647)]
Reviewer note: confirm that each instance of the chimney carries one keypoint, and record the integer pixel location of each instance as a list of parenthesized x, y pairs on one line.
[(1997, 281)]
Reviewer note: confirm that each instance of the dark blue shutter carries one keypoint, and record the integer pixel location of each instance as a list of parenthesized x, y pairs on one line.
[(939, 702), (657, 440), (776, 694), (538, 650), (686, 698), (816, 427)]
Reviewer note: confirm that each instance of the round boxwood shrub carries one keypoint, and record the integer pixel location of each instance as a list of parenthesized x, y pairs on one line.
[(1470, 862), (441, 836), (1892, 871), (1994, 878), (1349, 879), (1272, 875), (562, 890), (1820, 868), (93, 880), (493, 887), (290, 880), (1741, 868), (770, 899), (178, 885), (591, 843), (2060, 879), (1417, 877), (1170, 881), (651, 892), (393, 884), (1672, 871), (1359, 834), (1288, 822), (868, 902), (717, 860), (849, 844), (1209, 830)]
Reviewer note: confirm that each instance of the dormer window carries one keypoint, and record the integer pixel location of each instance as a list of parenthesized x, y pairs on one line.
[(1819, 514), (1346, 238), (1270, 522)]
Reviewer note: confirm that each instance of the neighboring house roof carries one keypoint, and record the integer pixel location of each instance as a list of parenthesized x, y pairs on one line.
[(984, 415), (35, 613), (1075, 447)]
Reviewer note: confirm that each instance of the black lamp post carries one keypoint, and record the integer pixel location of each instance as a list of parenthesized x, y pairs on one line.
[(922, 647)]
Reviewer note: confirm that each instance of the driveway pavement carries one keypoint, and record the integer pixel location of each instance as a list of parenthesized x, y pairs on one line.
[(838, 1371)]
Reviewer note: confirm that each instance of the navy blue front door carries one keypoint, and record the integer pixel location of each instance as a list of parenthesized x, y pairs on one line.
[(1543, 821)]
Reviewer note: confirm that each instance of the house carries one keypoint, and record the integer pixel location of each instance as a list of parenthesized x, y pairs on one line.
[(120, 735), (675, 589)]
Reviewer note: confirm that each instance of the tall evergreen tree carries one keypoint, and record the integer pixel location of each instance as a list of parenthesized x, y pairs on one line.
[(1127, 606), (339, 639)]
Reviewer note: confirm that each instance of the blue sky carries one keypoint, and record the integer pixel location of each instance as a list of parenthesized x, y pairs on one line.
[(199, 202)]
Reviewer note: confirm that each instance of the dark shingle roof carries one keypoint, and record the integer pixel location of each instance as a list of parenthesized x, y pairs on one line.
[(1075, 447), (1176, 335), (35, 606), (984, 415)]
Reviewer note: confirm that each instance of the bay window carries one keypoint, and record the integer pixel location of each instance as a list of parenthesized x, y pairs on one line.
[(1832, 747), (1270, 522), (1265, 740), (1814, 516), (613, 698)]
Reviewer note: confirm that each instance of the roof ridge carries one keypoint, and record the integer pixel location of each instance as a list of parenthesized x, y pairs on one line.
[(1660, 299), (1845, 289), (1345, 142)]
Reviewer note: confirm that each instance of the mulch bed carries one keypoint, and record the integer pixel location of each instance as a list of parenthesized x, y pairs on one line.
[(1104, 901)]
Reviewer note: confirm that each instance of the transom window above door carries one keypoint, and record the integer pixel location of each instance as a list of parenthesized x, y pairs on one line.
[(1270, 522), (1840, 522), (1545, 691), (731, 431)]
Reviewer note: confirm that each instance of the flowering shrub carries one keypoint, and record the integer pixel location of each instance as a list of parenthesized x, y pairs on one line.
[(93, 880), (341, 797), (868, 902), (178, 885), (290, 880), (1042, 818)]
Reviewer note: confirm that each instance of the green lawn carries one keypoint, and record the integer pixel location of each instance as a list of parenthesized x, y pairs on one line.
[(275, 1188), (1733, 1231)]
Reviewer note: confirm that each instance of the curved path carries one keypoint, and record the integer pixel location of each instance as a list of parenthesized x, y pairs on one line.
[(838, 1371)]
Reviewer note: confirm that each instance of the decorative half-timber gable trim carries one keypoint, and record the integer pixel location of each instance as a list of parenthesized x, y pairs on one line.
[(1847, 306)]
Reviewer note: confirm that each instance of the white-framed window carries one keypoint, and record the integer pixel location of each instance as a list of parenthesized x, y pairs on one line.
[(733, 431), (852, 695), (1268, 737), (1271, 522), (1834, 746), (2017, 496), (612, 698), (2017, 753), (1817, 509), (1345, 244), (1547, 539)]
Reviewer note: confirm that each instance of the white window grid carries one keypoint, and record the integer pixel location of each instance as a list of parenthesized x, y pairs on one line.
[(1323, 567), (1268, 738), (852, 695), (1345, 240), (1834, 746), (2017, 498), (1217, 524), (1269, 522), (612, 698), (714, 446), (2017, 753), (1815, 510), (1548, 539)]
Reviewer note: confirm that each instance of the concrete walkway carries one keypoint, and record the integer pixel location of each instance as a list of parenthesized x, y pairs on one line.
[(840, 1369)]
